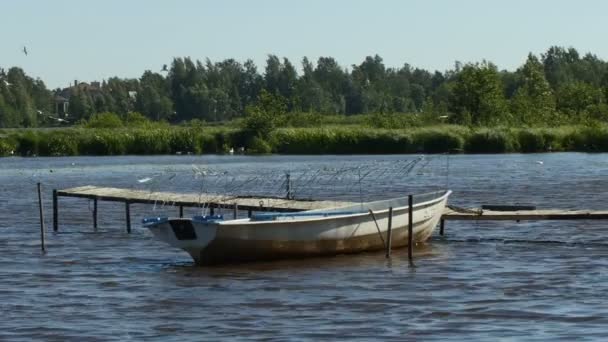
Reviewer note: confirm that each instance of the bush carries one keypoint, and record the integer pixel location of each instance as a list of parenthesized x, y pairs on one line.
[(258, 145), (104, 120), (489, 141), (531, 141), (587, 139), (27, 143), (105, 143), (7, 147), (437, 141), (59, 143)]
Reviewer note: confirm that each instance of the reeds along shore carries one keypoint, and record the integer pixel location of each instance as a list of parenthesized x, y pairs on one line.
[(330, 140)]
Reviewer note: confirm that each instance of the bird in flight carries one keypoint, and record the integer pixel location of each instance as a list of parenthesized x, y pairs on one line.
[(164, 67), (25, 50)]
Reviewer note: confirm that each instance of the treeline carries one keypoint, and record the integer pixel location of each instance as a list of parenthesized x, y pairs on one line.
[(558, 87)]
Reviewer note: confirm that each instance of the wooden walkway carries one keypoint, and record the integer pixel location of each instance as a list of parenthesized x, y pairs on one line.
[(522, 215), (252, 204), (181, 200)]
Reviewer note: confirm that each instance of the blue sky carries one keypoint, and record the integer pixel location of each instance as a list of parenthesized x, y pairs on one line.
[(92, 40)]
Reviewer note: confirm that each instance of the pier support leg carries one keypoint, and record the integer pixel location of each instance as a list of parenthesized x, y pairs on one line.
[(410, 229), (41, 209), (211, 211), (128, 216), (236, 211), (249, 213), (55, 211), (389, 232), (441, 226), (95, 214), (181, 211)]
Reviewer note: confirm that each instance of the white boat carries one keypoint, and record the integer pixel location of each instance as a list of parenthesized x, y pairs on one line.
[(266, 236)]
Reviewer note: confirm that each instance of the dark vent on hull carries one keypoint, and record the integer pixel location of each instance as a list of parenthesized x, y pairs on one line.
[(183, 229)]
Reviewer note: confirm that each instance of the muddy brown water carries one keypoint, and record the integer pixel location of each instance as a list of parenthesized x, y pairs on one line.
[(481, 281)]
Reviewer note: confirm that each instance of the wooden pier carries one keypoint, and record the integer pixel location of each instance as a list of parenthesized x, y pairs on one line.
[(181, 200), (257, 204)]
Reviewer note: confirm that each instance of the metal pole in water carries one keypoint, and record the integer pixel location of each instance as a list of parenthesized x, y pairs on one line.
[(95, 214), (288, 182), (181, 211), (41, 219), (128, 216), (410, 228), (55, 211), (389, 232), (441, 226), (236, 211)]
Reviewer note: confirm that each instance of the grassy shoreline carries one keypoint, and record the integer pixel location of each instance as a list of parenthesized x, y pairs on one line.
[(316, 140)]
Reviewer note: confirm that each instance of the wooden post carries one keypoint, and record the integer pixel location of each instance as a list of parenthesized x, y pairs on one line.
[(389, 233), (288, 182), (55, 211), (181, 211), (249, 213), (410, 228), (236, 211), (441, 226), (41, 219), (95, 213), (128, 216)]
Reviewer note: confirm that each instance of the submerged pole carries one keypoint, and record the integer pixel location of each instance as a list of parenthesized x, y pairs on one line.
[(55, 211), (128, 216), (410, 228), (389, 232), (41, 219)]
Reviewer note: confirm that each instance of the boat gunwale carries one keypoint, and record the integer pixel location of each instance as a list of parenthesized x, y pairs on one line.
[(248, 221)]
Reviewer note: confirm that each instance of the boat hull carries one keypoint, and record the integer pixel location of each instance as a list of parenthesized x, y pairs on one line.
[(246, 240)]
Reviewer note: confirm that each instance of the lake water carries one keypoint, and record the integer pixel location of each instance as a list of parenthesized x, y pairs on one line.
[(481, 281)]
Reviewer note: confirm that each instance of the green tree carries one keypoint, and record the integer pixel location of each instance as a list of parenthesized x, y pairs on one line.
[(477, 94), (533, 102)]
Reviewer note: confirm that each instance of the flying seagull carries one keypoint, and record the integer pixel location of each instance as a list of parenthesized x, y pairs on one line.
[(25, 50)]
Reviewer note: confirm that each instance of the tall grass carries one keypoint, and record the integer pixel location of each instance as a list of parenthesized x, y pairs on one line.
[(355, 139)]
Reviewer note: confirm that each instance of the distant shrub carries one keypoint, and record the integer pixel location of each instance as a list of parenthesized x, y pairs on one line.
[(104, 120), (105, 143), (587, 139), (59, 143), (135, 119), (531, 140), (437, 141), (27, 143), (7, 147), (489, 141), (258, 145)]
